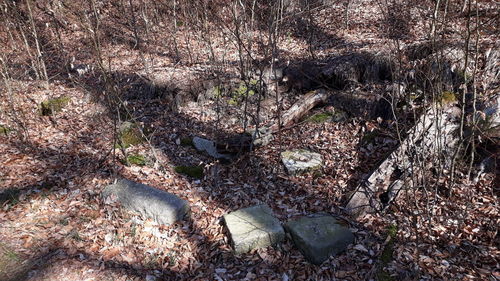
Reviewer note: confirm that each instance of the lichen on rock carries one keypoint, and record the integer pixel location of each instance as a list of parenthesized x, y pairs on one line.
[(301, 161)]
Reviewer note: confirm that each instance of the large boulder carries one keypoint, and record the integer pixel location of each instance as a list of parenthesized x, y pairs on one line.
[(300, 161), (319, 237), (253, 227), (161, 206)]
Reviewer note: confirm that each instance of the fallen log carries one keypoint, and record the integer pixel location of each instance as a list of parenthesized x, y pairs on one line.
[(296, 112), (432, 136), (300, 108)]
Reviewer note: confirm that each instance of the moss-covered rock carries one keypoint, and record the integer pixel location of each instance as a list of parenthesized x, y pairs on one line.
[(51, 106), (244, 90), (447, 98), (129, 134), (191, 171), (136, 159)]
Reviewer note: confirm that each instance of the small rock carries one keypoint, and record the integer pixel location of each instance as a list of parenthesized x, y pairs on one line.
[(161, 206), (301, 160), (51, 106), (319, 237), (129, 134), (253, 227), (261, 137), (209, 147)]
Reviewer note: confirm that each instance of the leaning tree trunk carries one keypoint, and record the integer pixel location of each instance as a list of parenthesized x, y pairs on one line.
[(432, 136)]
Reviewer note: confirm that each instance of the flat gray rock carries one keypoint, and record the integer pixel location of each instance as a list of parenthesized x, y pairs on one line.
[(161, 206), (318, 238), (301, 161), (209, 147), (253, 227)]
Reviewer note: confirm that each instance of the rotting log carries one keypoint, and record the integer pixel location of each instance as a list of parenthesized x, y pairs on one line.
[(433, 135), (264, 135), (300, 108)]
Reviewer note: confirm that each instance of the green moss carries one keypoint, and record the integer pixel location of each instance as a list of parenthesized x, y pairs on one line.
[(317, 173), (217, 91), (385, 258), (191, 171), (13, 265), (129, 134), (11, 255), (369, 137), (51, 106), (136, 159), (187, 142), (4, 130), (337, 116), (320, 117), (10, 195), (75, 235), (387, 255), (243, 91), (392, 230), (447, 98)]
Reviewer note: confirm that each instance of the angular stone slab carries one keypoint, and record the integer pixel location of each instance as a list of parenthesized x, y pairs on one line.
[(300, 161), (253, 227), (209, 147), (161, 206), (319, 237)]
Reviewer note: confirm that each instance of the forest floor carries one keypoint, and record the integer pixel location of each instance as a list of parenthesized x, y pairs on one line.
[(54, 224)]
